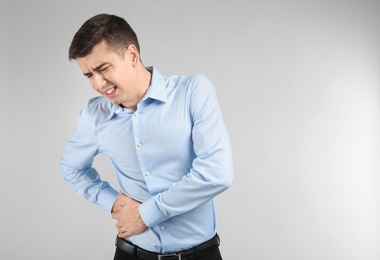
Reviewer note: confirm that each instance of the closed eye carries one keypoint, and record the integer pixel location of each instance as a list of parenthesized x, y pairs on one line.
[(88, 75), (103, 69)]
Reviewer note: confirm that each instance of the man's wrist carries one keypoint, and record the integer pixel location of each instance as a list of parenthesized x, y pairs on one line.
[(150, 213)]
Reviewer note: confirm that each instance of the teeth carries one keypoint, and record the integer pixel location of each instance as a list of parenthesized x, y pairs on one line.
[(110, 90)]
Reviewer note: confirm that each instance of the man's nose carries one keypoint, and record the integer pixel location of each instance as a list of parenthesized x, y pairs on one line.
[(98, 81)]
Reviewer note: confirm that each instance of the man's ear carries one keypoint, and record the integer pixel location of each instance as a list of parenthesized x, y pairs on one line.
[(132, 54)]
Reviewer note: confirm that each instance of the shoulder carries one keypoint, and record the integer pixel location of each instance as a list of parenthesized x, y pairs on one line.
[(98, 110), (191, 80), (191, 84), (97, 104), (197, 90)]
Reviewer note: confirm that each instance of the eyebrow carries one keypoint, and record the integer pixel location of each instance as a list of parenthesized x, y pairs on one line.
[(96, 69), (100, 66)]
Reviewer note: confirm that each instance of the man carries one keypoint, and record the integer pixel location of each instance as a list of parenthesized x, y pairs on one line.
[(166, 140)]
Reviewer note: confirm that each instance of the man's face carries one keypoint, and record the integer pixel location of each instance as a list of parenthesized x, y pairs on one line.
[(110, 74)]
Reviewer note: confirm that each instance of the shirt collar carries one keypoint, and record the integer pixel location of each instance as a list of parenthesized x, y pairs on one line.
[(157, 90)]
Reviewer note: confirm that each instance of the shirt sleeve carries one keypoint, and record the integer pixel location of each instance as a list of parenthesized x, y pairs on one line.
[(76, 165), (212, 169)]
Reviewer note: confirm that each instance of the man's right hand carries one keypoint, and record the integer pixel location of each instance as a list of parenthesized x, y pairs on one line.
[(125, 211)]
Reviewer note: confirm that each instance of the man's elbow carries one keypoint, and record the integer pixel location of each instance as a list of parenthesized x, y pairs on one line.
[(226, 181)]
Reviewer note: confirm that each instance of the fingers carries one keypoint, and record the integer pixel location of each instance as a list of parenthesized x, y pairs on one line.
[(116, 210), (125, 212), (118, 204), (122, 230), (119, 226), (123, 235), (115, 215), (117, 207), (123, 199)]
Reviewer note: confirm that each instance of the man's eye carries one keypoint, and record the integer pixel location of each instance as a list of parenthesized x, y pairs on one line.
[(103, 69)]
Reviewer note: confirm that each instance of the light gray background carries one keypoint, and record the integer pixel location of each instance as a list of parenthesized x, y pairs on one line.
[(298, 83)]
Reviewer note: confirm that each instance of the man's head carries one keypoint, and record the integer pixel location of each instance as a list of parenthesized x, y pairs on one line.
[(115, 31), (107, 51)]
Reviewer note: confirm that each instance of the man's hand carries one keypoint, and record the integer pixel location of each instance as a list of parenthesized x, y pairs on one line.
[(125, 212)]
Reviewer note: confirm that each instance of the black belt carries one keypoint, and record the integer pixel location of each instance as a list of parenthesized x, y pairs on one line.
[(203, 249)]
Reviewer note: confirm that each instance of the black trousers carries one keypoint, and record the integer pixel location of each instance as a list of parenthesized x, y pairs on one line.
[(121, 255)]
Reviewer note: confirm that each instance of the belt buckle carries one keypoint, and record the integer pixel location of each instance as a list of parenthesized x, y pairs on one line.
[(169, 257)]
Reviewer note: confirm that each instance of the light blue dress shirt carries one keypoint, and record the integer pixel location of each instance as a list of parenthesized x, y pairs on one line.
[(172, 153)]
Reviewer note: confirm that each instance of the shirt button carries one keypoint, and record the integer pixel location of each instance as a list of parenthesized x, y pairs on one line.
[(147, 173), (163, 227), (139, 145), (136, 114)]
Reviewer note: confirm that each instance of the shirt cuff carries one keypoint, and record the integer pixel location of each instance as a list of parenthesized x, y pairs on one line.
[(150, 213), (107, 198)]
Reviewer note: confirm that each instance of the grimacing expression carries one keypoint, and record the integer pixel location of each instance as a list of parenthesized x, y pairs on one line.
[(111, 74)]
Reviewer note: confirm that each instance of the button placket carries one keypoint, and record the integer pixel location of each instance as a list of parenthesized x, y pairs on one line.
[(135, 122), (139, 145)]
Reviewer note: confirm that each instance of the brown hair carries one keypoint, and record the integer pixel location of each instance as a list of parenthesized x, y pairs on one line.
[(114, 30)]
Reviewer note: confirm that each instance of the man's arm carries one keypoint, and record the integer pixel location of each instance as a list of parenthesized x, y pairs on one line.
[(76, 165)]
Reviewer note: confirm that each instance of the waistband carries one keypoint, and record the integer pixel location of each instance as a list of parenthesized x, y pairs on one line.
[(201, 250)]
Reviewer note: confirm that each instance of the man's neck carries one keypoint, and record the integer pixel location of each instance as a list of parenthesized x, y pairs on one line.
[(145, 79)]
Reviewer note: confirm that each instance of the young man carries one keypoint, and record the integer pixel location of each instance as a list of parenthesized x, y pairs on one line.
[(166, 140)]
